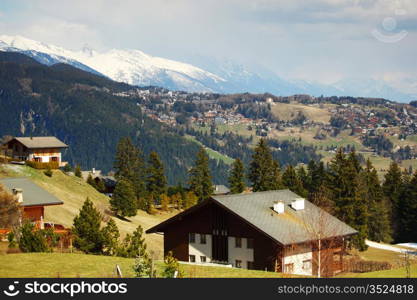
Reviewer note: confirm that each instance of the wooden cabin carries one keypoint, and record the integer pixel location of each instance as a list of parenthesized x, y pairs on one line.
[(32, 198), (275, 231), (40, 149)]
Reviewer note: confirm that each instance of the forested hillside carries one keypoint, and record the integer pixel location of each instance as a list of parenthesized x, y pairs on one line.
[(83, 110)]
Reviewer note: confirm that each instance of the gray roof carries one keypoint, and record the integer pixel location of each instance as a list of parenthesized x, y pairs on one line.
[(221, 189), (33, 195), (38, 142), (292, 226)]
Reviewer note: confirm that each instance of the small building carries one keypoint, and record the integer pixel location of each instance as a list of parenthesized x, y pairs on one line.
[(40, 149), (275, 231), (31, 197), (220, 190)]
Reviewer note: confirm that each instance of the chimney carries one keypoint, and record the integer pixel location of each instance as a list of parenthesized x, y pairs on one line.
[(298, 204), (19, 194), (279, 207), (94, 171)]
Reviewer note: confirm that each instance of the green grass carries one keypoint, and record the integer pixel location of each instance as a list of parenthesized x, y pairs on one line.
[(212, 153), (394, 273), (53, 265), (73, 191)]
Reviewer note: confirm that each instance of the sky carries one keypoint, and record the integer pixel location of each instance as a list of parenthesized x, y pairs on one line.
[(316, 40)]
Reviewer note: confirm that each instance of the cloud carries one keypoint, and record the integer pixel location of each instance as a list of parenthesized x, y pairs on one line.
[(316, 39)]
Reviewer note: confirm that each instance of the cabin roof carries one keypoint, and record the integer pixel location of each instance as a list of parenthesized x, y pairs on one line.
[(221, 189), (33, 195), (40, 142), (291, 227)]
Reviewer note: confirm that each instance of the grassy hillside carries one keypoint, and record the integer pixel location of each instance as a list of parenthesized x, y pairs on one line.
[(289, 111), (82, 265), (73, 192)]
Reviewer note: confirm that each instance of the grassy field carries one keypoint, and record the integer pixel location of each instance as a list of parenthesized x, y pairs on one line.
[(212, 153), (53, 265), (289, 111), (73, 191), (394, 273)]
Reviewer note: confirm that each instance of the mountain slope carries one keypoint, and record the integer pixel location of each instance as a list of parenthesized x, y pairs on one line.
[(81, 109)]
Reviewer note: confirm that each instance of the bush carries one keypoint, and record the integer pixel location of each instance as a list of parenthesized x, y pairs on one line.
[(33, 240), (172, 267), (48, 171), (43, 165)]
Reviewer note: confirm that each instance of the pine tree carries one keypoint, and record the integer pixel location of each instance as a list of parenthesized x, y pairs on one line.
[(91, 181), (143, 267), (190, 200), (172, 267), (407, 213), (360, 213), (264, 172), (237, 177), (129, 165), (379, 219), (77, 171), (392, 188), (134, 245), (110, 238), (100, 186), (123, 202), (199, 177), (155, 180), (165, 201), (86, 229), (292, 182)]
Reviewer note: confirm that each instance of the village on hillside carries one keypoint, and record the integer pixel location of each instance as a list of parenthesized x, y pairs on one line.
[(269, 221)]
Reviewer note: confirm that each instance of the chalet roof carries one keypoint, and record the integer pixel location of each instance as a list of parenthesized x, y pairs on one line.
[(221, 189), (33, 195), (39, 142), (291, 227)]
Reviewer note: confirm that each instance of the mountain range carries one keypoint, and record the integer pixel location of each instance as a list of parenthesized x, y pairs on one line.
[(203, 75)]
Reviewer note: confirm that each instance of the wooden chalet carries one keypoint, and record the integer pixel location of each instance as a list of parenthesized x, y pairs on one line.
[(275, 231), (40, 149)]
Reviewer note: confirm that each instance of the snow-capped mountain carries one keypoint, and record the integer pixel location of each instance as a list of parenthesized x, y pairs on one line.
[(201, 74), (130, 66)]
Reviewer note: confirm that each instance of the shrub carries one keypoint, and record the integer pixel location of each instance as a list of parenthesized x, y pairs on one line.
[(48, 171), (172, 267), (143, 267), (33, 240), (43, 165)]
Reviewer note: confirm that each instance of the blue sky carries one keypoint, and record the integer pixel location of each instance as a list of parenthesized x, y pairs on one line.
[(316, 40)]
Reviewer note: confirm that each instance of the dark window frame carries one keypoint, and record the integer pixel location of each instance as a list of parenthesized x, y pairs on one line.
[(238, 242), (203, 238), (191, 258), (191, 238)]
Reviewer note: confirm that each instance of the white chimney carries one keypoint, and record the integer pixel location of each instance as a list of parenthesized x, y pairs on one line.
[(94, 171), (279, 207), (19, 194), (298, 204)]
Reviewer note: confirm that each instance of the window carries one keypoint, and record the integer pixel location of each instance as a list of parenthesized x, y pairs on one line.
[(203, 239), (307, 265), (289, 268), (238, 242), (54, 158), (192, 238), (250, 265), (192, 258), (249, 243), (203, 259), (238, 263)]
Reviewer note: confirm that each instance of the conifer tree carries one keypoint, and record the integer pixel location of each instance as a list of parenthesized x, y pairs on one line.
[(129, 165), (172, 267), (292, 182), (86, 229), (134, 245), (264, 171), (199, 177), (91, 181), (407, 214), (379, 224), (77, 171), (190, 200), (165, 201), (155, 180), (392, 188), (123, 202), (360, 213), (110, 238), (237, 177)]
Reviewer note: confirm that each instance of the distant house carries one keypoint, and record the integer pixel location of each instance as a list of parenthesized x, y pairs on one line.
[(221, 190), (39, 149), (274, 230), (31, 197)]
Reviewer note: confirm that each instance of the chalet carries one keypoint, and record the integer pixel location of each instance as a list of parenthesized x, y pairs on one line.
[(274, 231), (40, 149), (31, 197)]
